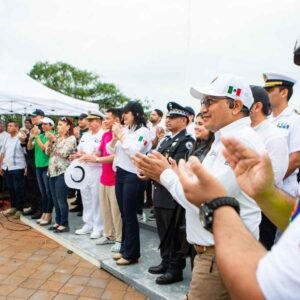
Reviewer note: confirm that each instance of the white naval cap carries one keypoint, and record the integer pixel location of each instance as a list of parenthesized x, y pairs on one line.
[(273, 79), (95, 115)]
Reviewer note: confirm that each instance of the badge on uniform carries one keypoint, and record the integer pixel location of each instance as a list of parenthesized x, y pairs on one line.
[(283, 125), (188, 145)]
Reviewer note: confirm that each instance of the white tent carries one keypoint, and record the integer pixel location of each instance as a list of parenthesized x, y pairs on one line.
[(20, 94)]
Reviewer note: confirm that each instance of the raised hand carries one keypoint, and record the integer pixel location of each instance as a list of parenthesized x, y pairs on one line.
[(151, 165), (254, 172), (198, 184)]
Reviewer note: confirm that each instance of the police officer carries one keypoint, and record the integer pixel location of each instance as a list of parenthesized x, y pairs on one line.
[(280, 90), (169, 214)]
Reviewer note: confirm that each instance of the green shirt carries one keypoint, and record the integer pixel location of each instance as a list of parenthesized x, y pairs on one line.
[(41, 159)]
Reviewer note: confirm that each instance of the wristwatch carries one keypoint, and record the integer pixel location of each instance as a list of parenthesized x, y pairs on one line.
[(207, 210), (97, 159)]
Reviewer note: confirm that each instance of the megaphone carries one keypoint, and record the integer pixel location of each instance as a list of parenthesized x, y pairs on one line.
[(297, 53)]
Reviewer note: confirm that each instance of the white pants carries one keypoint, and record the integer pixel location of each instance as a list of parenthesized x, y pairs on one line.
[(92, 215)]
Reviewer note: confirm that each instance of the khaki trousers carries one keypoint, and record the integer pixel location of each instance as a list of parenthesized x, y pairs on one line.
[(206, 282), (112, 222)]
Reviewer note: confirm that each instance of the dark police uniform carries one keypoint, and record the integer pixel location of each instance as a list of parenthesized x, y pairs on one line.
[(169, 214)]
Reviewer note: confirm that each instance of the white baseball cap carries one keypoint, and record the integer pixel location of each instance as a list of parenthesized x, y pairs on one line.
[(227, 85), (47, 120), (77, 175)]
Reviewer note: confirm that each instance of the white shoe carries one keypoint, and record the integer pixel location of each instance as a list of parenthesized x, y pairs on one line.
[(95, 235), (104, 241), (83, 230), (10, 212), (116, 247)]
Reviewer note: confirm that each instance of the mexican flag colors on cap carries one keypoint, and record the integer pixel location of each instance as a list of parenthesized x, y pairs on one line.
[(234, 91)]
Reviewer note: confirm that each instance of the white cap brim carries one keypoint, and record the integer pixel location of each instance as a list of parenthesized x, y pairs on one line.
[(199, 93), (68, 175)]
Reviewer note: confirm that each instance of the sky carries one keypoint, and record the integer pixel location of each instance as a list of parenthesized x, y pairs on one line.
[(154, 49)]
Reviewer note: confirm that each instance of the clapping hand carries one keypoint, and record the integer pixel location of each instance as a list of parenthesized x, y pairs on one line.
[(199, 184)]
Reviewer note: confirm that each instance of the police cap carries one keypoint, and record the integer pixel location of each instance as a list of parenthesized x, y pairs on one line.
[(176, 110)]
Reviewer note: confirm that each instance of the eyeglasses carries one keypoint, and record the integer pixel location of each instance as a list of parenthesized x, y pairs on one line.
[(208, 100)]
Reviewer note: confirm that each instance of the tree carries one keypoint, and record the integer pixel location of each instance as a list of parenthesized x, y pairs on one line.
[(80, 84)]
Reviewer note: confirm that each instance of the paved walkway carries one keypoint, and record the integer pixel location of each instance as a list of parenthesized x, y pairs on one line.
[(33, 266)]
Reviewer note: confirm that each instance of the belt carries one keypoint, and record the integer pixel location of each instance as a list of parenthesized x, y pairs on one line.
[(204, 249)]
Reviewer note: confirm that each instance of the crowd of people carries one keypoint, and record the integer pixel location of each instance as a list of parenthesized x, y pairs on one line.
[(219, 182)]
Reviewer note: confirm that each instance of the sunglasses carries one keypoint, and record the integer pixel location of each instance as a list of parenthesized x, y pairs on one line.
[(64, 119)]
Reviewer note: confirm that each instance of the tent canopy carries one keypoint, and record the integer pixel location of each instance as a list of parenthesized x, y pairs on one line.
[(20, 94)]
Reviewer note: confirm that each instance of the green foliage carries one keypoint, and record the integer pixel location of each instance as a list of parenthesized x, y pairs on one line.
[(80, 84)]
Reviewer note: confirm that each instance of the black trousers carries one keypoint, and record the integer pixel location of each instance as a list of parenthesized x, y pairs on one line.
[(173, 256), (128, 193), (32, 192), (15, 181)]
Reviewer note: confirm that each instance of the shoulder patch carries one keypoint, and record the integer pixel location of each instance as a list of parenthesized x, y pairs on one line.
[(188, 145)]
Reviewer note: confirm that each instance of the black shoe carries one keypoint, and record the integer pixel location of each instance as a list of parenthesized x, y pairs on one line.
[(152, 218), (169, 278), (36, 215), (64, 229), (74, 202), (53, 227), (160, 269), (29, 212), (79, 214), (75, 209)]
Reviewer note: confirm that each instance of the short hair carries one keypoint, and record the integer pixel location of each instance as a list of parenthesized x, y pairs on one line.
[(117, 112), (159, 112), (14, 122), (290, 91), (28, 120)]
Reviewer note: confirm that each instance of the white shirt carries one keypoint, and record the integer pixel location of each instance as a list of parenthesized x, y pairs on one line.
[(14, 154), (134, 141), (89, 144), (288, 123), (191, 130), (153, 129), (217, 165), (3, 137), (277, 148), (278, 272), (195, 233)]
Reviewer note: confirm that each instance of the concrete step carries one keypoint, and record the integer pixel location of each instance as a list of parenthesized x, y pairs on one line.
[(135, 275)]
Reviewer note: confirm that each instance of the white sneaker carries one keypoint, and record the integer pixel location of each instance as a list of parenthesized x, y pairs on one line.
[(116, 247), (95, 235), (83, 230), (10, 212), (104, 241)]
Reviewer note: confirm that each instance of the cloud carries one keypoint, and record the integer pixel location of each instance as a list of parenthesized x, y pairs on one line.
[(155, 49)]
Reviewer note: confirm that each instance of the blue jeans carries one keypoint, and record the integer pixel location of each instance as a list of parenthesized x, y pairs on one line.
[(59, 192), (43, 182), (15, 181), (128, 191)]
